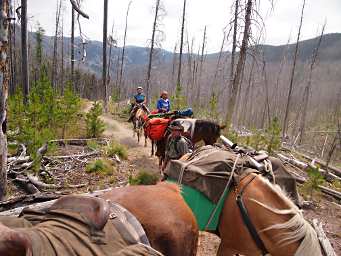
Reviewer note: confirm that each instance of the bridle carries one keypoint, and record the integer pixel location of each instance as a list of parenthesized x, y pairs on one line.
[(247, 220)]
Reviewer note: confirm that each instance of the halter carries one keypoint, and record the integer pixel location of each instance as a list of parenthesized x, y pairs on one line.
[(247, 220)]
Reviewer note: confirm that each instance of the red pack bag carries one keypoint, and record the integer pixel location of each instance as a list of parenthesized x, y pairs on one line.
[(155, 128)]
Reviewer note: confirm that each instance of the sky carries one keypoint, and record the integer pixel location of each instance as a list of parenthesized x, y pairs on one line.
[(281, 22)]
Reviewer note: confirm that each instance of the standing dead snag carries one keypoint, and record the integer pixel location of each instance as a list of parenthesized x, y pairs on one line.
[(287, 108), (240, 66), (24, 50), (123, 52), (151, 50), (202, 57), (4, 6), (104, 70), (178, 81), (307, 89), (55, 46)]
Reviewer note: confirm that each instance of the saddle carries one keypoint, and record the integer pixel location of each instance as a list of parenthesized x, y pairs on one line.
[(95, 211)]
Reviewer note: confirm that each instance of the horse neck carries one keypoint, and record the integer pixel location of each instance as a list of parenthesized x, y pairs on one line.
[(279, 220)]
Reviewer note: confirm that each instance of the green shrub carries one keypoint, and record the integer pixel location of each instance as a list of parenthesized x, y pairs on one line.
[(92, 144), (273, 136), (144, 178), (115, 148), (314, 181), (69, 107), (94, 125), (102, 166)]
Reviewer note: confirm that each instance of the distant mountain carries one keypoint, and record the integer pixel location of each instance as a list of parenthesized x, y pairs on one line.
[(136, 56)]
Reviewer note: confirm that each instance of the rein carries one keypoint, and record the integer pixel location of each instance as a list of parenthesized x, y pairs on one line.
[(247, 220)]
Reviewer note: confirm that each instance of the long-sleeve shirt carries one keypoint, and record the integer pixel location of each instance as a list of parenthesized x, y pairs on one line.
[(163, 105)]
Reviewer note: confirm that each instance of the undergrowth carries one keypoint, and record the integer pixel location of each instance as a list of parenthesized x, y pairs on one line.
[(144, 178), (100, 166)]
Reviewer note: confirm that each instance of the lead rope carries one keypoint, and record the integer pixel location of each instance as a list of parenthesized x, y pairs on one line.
[(224, 192)]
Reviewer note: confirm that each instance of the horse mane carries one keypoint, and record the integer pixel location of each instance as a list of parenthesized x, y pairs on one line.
[(215, 127), (310, 245)]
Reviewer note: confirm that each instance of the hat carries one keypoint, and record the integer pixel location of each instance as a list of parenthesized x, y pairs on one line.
[(139, 88)]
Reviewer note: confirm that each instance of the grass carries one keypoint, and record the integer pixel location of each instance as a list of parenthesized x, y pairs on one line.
[(92, 144), (115, 148), (100, 166), (144, 178)]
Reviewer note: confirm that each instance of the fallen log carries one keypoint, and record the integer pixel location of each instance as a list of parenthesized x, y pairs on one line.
[(36, 182), (303, 165), (77, 142), (322, 163), (324, 241), (79, 156), (22, 201), (42, 205)]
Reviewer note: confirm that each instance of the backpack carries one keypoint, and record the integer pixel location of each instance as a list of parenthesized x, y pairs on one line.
[(155, 128)]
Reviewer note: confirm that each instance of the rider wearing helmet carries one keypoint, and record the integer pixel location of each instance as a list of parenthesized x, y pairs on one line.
[(163, 104), (139, 99)]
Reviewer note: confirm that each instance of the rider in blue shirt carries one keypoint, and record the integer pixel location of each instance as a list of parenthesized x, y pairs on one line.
[(163, 104), (139, 98)]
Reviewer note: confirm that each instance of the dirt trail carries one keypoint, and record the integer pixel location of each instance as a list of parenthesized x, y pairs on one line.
[(138, 155)]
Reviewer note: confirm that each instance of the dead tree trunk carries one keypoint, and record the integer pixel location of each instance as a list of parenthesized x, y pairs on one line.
[(24, 50), (234, 42), (62, 58), (178, 80), (287, 108), (151, 51), (123, 52), (73, 48), (55, 46), (266, 85), (240, 66), (307, 89), (202, 57), (174, 63), (104, 70), (4, 6)]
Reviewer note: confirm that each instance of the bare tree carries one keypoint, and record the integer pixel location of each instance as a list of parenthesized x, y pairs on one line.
[(120, 85), (104, 70), (240, 66), (24, 51), (157, 6), (202, 57), (4, 6), (307, 89), (287, 108), (178, 80), (62, 58), (72, 47), (234, 41), (55, 41)]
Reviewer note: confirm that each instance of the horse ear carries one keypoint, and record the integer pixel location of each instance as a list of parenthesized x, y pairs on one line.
[(222, 127)]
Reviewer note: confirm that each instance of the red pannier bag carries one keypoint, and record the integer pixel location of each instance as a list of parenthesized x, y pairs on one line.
[(155, 128)]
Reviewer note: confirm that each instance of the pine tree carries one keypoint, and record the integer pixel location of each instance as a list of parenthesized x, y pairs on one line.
[(94, 126)]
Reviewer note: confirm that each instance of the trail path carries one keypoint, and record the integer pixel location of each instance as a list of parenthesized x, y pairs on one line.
[(138, 155)]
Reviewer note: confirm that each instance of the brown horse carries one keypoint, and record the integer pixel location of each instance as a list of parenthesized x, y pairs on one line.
[(168, 222), (138, 123), (277, 221)]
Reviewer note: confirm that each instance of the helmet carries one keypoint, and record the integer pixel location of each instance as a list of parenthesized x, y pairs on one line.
[(139, 88)]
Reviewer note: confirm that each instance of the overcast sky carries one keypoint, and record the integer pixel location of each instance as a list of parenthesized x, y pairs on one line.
[(215, 14)]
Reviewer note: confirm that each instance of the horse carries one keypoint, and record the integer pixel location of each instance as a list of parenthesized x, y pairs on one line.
[(168, 222), (196, 130), (138, 123), (269, 224)]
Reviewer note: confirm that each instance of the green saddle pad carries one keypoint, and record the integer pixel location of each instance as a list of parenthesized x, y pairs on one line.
[(202, 207)]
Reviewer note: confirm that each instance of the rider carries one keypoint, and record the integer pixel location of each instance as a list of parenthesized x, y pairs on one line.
[(163, 104), (139, 98), (177, 145)]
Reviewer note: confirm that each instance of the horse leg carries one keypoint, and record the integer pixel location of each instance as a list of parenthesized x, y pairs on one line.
[(153, 143)]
